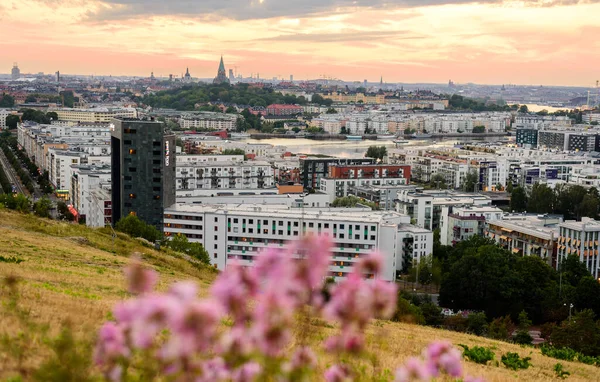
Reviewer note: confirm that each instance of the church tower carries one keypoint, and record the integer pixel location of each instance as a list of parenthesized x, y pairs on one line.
[(221, 77)]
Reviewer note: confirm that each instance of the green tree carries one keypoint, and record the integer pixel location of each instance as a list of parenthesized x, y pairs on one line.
[(470, 181), (541, 199), (7, 100), (477, 323), (233, 152), (522, 336), (478, 129), (133, 226), (42, 207), (523, 109), (31, 99), (500, 328), (52, 116), (376, 152), (331, 111), (12, 121), (439, 181), (63, 211), (581, 333), (518, 199), (180, 243), (352, 201)]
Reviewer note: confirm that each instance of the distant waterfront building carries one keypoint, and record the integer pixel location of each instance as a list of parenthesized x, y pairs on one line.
[(208, 120), (465, 222), (221, 77), (143, 170), (15, 72), (312, 169), (93, 115), (231, 75), (279, 109)]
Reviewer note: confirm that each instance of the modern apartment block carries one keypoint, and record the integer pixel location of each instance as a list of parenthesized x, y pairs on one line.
[(208, 120), (94, 115), (465, 222), (527, 235), (238, 233), (224, 175), (581, 239), (143, 170)]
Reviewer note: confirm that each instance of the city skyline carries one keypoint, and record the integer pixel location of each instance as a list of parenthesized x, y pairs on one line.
[(527, 42)]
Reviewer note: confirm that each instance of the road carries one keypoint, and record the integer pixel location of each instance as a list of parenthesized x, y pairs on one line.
[(12, 176)]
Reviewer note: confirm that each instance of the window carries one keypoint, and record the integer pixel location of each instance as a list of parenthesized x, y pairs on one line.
[(157, 189), (127, 177), (156, 143), (281, 223), (155, 170), (156, 180), (356, 237), (132, 169), (235, 220), (372, 237), (280, 232), (132, 151), (216, 237), (156, 161), (251, 221), (156, 153), (341, 226), (156, 197), (127, 187), (265, 222), (131, 196), (372, 228), (295, 224), (326, 225), (127, 141), (250, 230), (311, 225), (216, 228), (129, 131), (216, 220), (216, 246), (215, 256), (341, 235), (357, 227)]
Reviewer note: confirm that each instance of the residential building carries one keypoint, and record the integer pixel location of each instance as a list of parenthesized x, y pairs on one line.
[(84, 180), (465, 222), (94, 115), (527, 235), (143, 170), (208, 120), (224, 175), (100, 211), (581, 239), (527, 137), (238, 233), (3, 114), (591, 117), (281, 109), (312, 170), (337, 188)]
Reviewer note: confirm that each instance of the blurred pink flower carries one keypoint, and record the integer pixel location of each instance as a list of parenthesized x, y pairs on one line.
[(372, 264), (140, 279), (111, 344), (184, 291), (304, 357), (413, 370), (248, 372), (214, 370), (384, 298), (338, 373)]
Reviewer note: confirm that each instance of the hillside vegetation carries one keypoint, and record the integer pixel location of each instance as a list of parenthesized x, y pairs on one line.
[(70, 273)]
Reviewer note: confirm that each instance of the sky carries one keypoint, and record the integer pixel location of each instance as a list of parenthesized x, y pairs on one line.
[(529, 42)]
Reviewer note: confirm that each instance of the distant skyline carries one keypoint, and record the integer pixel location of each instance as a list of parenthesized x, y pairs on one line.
[(529, 42)]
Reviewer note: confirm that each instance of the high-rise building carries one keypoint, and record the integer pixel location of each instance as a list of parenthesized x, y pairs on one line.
[(221, 77), (291, 78), (143, 170), (58, 76), (231, 76), (16, 72)]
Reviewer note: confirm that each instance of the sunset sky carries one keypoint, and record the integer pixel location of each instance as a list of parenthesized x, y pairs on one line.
[(549, 42)]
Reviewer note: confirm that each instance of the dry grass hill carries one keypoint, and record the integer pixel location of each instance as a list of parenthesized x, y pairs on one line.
[(72, 273)]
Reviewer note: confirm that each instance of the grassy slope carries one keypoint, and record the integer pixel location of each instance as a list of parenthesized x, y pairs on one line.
[(74, 273)]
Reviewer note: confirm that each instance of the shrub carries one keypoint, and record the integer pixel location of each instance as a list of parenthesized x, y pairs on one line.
[(456, 323), (477, 323), (11, 259), (560, 371), (478, 354), (499, 329), (514, 362)]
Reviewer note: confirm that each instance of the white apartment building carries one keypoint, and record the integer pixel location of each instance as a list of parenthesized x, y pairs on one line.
[(538, 122), (84, 180), (183, 159), (208, 120), (581, 239), (337, 188), (3, 114), (94, 115), (258, 197), (258, 149), (591, 117), (464, 222), (59, 164), (224, 175), (238, 233), (100, 211)]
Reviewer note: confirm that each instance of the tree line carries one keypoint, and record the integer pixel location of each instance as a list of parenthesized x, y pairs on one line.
[(570, 200)]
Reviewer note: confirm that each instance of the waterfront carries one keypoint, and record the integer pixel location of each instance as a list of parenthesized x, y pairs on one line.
[(352, 149)]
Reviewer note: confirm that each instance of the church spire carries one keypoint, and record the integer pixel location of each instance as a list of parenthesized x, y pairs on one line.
[(221, 65)]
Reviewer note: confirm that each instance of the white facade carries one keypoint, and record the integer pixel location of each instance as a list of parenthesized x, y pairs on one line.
[(94, 115), (464, 222), (337, 188), (258, 197), (581, 239), (591, 117), (208, 120), (224, 175), (3, 114), (100, 211), (239, 232), (183, 160), (84, 180)]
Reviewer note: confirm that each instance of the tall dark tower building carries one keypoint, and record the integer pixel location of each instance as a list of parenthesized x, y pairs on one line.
[(221, 77), (143, 170)]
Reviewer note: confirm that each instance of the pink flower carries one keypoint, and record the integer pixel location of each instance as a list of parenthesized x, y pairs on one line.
[(111, 344), (199, 321), (413, 369), (451, 362), (233, 289), (348, 342), (139, 279), (315, 255), (126, 312), (272, 322), (384, 298), (338, 373), (304, 358), (184, 291), (236, 342), (214, 370), (248, 372), (351, 302), (442, 356)]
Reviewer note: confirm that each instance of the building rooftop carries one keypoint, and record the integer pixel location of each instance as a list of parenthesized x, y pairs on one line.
[(268, 211), (586, 224), (543, 226)]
